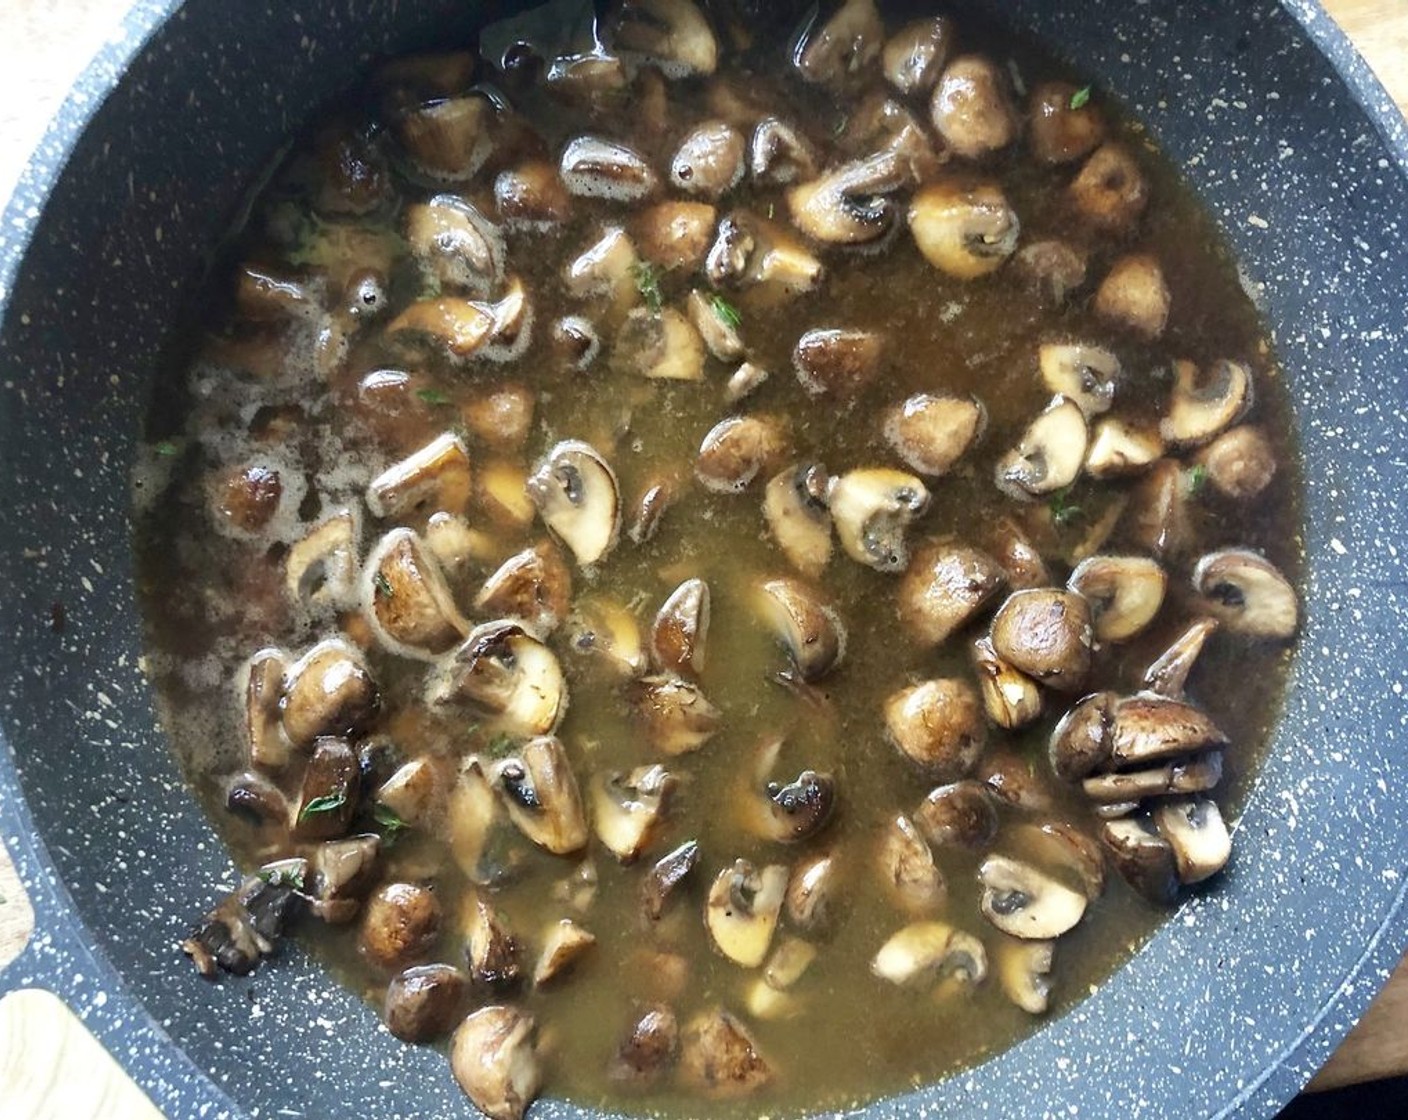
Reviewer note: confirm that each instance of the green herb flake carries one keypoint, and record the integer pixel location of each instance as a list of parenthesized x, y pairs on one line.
[(383, 586), (502, 745), (328, 803), (1063, 510), (648, 284), (1081, 98), (166, 449), (388, 820), (433, 397), (1196, 478), (726, 312)]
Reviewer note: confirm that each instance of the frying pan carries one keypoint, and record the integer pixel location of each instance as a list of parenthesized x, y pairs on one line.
[(1231, 1006)]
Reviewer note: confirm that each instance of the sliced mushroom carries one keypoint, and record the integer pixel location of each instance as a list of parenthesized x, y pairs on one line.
[(837, 363), (406, 599), (400, 924), (1010, 698), (804, 624), (778, 154), (1240, 463), (794, 507), (455, 245), (719, 1058), (709, 160), (749, 251), (662, 345), (1049, 455), (1119, 448), (1203, 405), (1047, 634), (1149, 728), (914, 56), (563, 946), (607, 266), (1054, 269), (541, 794), (629, 809), (811, 903), (925, 952), (960, 813), (1247, 594), (944, 588), (1024, 972), (1194, 830), (1194, 775), (742, 911), (437, 476), (931, 432), (675, 715), (736, 450), (592, 167), (673, 34), (675, 234), (965, 230), (1143, 857), (609, 633), (327, 691), (1024, 902), (907, 869), (970, 108), (578, 499), (850, 204), (449, 139), (1134, 295), (424, 1002), (650, 1048), (1124, 593), (263, 691), (531, 195), (533, 586), (792, 812), (1080, 372), (1168, 673), (843, 47), (669, 871), (1064, 126), (714, 321), (681, 631), (321, 567), (504, 672), (872, 508), (1082, 741), (494, 1057), (746, 380), (1110, 192), (938, 724)]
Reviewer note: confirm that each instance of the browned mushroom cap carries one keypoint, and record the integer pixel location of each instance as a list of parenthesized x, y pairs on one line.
[(1194, 775), (914, 56), (872, 508), (850, 204), (1247, 594), (449, 139), (649, 1049), (925, 952), (709, 160), (805, 624), (737, 450), (1195, 831), (437, 477), (675, 715), (1046, 634), (541, 794), (1085, 373), (1240, 463), (945, 586), (1023, 971), (1156, 518), (673, 34), (400, 924), (563, 945), (455, 245), (907, 869), (794, 506), (1119, 447), (669, 872), (719, 1058), (1013, 780), (255, 797), (811, 902), (939, 725), (681, 630), (531, 196), (1049, 455), (661, 345), (932, 432), (778, 154), (588, 77), (327, 691), (328, 793), (592, 167), (675, 234), (628, 809), (608, 633), (1082, 741), (1143, 857), (494, 1057), (1054, 269), (1110, 192), (533, 586), (963, 229), (1010, 547), (837, 363), (607, 266), (960, 813), (742, 910), (263, 691), (970, 107), (751, 251), (1064, 126), (1133, 295), (716, 323), (1204, 404), (1124, 593), (1168, 673), (504, 672), (425, 1002), (575, 491), (1027, 903), (1010, 698), (1065, 851), (406, 600), (842, 48), (880, 123)]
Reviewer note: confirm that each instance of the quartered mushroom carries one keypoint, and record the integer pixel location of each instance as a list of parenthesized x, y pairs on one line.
[(811, 903), (938, 724), (480, 837), (607, 266), (907, 869), (575, 341), (961, 813), (680, 633), (494, 1057), (1081, 372), (837, 363), (436, 477), (805, 624), (736, 450), (709, 160), (746, 380), (531, 196), (462, 328), (492, 951), (425, 1002), (406, 599), (1168, 673), (719, 1057), (1011, 547), (1081, 742), (628, 809), (742, 910), (593, 167), (533, 586), (565, 944), (588, 78), (794, 506), (944, 588), (413, 792), (964, 229), (256, 798), (1010, 697), (716, 324), (1192, 775), (1240, 463), (1049, 455), (449, 139), (787, 965), (669, 871), (263, 691), (786, 813), (850, 204), (872, 508), (778, 154), (1247, 594), (1063, 126), (399, 926), (675, 234), (1023, 970), (914, 56), (1143, 857), (1134, 296), (931, 432), (1064, 850), (1027, 903), (327, 691), (1110, 192), (971, 109), (926, 952), (575, 491), (1205, 403), (1119, 447), (455, 245), (542, 797), (506, 674), (749, 251), (843, 47), (674, 714), (1156, 519), (1195, 831), (1047, 634), (661, 345), (321, 566), (673, 34), (1124, 593), (649, 1049)]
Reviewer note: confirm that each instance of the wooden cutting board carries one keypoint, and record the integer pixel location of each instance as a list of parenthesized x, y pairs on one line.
[(51, 1068)]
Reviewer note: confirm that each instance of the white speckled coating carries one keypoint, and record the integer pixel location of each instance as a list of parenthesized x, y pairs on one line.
[(1232, 1005)]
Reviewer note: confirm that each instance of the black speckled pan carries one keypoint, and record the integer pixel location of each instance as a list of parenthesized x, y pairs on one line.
[(1231, 1006)]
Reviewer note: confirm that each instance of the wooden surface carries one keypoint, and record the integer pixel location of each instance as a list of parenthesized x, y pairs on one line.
[(49, 1065)]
